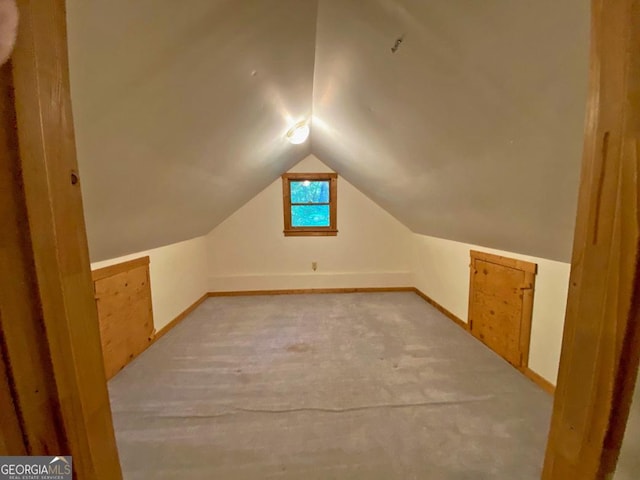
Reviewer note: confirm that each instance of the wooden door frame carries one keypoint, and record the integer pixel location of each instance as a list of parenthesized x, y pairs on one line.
[(49, 338), (529, 270), (601, 341), (599, 360)]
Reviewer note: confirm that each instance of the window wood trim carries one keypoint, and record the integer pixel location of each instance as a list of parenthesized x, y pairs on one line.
[(291, 231)]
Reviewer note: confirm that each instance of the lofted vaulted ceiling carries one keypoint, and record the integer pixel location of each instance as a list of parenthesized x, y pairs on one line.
[(472, 129), (462, 118), (181, 110)]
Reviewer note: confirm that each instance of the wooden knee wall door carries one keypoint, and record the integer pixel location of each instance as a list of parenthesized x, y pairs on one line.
[(501, 304), (125, 314)]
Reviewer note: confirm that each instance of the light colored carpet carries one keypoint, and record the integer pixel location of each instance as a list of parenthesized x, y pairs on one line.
[(345, 386)]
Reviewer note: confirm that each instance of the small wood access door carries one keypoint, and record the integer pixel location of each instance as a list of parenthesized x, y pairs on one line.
[(501, 304), (123, 297)]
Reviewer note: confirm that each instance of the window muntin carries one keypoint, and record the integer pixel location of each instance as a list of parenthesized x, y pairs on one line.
[(310, 203)]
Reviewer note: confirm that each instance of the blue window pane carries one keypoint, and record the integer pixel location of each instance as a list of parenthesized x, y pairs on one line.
[(309, 191), (310, 216)]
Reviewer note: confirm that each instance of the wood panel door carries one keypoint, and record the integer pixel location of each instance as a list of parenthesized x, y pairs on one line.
[(123, 297), (500, 304)]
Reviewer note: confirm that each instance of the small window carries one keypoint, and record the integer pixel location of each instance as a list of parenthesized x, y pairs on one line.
[(310, 204)]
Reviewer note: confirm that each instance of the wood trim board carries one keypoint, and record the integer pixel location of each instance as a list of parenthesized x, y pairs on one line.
[(12, 440), (169, 326), (542, 382), (29, 392), (241, 293), (294, 291), (306, 176), (527, 316), (173, 323), (324, 232), (539, 380), (56, 257), (108, 271), (505, 261), (457, 320), (533, 376), (601, 340)]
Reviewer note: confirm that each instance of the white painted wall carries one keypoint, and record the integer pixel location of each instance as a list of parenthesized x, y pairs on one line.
[(441, 269), (248, 251), (178, 277), (629, 461)]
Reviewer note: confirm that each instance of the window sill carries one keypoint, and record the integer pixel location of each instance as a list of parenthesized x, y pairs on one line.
[(310, 233)]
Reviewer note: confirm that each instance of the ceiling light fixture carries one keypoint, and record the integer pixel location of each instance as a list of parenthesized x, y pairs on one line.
[(298, 133)]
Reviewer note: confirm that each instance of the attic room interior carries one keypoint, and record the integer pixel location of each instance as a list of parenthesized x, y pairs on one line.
[(381, 239)]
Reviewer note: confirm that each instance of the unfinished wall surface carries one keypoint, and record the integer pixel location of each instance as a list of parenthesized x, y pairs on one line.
[(178, 277), (441, 269), (629, 461), (248, 251)]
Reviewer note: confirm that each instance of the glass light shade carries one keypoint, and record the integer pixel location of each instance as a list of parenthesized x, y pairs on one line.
[(298, 134)]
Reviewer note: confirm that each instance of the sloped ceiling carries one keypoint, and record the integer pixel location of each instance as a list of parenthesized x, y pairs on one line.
[(470, 130), (180, 111)]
